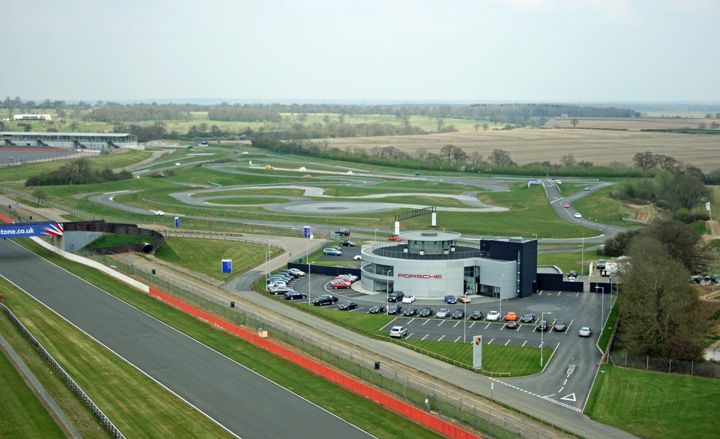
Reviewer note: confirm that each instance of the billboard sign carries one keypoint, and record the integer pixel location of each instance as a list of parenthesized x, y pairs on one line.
[(307, 232), (227, 265), (177, 222), (477, 352), (31, 229)]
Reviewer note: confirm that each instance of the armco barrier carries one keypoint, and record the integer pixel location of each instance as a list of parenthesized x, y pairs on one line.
[(387, 401), (5, 219)]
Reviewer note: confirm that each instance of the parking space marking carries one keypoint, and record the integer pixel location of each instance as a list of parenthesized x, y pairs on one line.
[(425, 336), (541, 345), (559, 292), (524, 343), (411, 320), (488, 325), (441, 337), (411, 334), (426, 322), (441, 323), (569, 325), (578, 294), (491, 340), (539, 293), (507, 342), (457, 339), (455, 325)]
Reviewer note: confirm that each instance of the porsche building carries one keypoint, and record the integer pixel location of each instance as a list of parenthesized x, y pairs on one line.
[(433, 264)]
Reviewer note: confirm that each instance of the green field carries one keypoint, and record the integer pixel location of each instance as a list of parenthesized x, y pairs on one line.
[(205, 255), (108, 380), (355, 409), (248, 200), (654, 404), (113, 240), (570, 260), (23, 416), (601, 207)]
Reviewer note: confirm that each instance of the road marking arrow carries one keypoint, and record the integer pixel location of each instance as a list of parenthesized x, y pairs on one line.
[(570, 397)]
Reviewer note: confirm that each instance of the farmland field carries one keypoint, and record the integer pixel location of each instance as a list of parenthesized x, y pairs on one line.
[(530, 145), (628, 123)]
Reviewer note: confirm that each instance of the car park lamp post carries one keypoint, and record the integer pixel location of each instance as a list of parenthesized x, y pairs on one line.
[(602, 306), (387, 293), (542, 332), (464, 321)]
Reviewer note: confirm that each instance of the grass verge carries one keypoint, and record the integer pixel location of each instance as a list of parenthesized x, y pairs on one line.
[(23, 416), (355, 409), (113, 240), (654, 404), (608, 328)]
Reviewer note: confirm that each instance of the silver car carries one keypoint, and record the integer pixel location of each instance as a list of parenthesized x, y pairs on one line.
[(585, 331), (442, 313)]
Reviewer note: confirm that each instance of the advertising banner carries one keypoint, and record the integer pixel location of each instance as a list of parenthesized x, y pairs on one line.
[(177, 222), (307, 232), (477, 351), (227, 265), (31, 229)]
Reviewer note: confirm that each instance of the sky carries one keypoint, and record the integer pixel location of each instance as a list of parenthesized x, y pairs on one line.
[(385, 50)]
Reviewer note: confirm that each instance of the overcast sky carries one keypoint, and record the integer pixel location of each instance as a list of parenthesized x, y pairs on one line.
[(405, 50)]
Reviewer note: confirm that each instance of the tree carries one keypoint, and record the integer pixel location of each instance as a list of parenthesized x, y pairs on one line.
[(681, 242), (644, 160), (500, 157), (486, 127), (702, 126), (688, 190), (568, 160), (618, 245), (476, 125), (440, 124), (574, 122), (453, 153), (660, 314), (40, 195)]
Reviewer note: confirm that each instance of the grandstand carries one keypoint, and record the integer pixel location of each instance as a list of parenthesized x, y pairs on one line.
[(92, 141)]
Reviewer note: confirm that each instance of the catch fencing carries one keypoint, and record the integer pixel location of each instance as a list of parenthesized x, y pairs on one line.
[(705, 369), (413, 388), (72, 385)]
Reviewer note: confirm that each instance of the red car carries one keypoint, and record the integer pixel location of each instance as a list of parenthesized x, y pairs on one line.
[(395, 238), (566, 205), (340, 284)]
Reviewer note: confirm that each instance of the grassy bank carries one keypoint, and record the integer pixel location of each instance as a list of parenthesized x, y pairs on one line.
[(113, 240), (656, 405)]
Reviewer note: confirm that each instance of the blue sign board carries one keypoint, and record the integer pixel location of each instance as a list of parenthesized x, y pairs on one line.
[(227, 265), (307, 232), (177, 222), (31, 229)]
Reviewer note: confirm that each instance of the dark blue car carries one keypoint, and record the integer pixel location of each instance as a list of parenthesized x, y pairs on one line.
[(452, 300)]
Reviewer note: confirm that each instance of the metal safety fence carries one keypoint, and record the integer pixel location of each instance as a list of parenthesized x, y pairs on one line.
[(412, 387), (702, 369), (69, 381)]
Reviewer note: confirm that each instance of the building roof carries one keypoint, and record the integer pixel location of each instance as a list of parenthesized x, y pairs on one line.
[(430, 235), (44, 134)]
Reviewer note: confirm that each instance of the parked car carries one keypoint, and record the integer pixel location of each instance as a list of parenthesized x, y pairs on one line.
[(512, 324), (276, 283), (350, 277), (510, 316), (477, 315), (297, 272), (330, 251), (347, 244), (357, 258), (340, 284), (572, 273), (601, 264), (458, 314), (442, 313), (585, 331), (295, 295), (410, 311), (493, 316), (394, 309), (347, 306), (398, 332), (343, 232), (376, 309), (577, 215), (395, 296), (528, 318), (395, 238), (426, 312), (566, 205), (560, 326), (541, 325), (279, 290), (464, 299), (450, 300), (586, 188), (408, 299), (325, 299)]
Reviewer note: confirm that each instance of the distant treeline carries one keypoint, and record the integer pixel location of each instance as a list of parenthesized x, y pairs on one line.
[(517, 114), (77, 172), (449, 158)]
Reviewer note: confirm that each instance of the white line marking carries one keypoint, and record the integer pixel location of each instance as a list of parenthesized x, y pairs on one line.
[(540, 293), (546, 398), (441, 323), (426, 322), (565, 382), (506, 343), (426, 336), (411, 320), (570, 397), (540, 345), (561, 389), (491, 340), (568, 328), (411, 334), (559, 292), (441, 337), (457, 339), (471, 325), (524, 343), (488, 325), (578, 293), (455, 325)]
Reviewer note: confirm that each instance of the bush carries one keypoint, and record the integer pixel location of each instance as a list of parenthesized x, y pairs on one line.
[(77, 172)]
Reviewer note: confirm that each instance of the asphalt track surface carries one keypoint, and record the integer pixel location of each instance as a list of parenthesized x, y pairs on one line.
[(237, 398)]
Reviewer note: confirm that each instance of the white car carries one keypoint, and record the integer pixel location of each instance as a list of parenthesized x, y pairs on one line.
[(296, 272), (442, 313), (357, 258), (408, 299), (350, 277), (493, 316), (158, 212), (585, 331), (398, 331), (577, 215)]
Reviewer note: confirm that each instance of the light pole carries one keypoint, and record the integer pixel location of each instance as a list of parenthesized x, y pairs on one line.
[(602, 307), (502, 280), (387, 293), (542, 332), (307, 263), (464, 321)]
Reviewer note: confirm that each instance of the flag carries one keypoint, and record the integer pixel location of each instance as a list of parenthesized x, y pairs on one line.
[(707, 206)]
